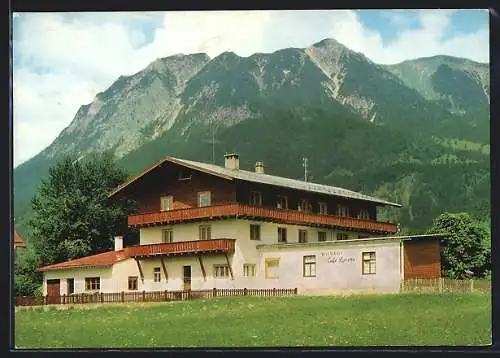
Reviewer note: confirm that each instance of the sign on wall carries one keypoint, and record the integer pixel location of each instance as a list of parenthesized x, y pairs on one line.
[(338, 257)]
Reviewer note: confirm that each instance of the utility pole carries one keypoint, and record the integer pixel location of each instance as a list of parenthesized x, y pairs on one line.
[(304, 164)]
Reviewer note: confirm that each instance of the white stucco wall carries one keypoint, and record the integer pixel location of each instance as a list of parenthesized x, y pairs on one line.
[(79, 274), (329, 275)]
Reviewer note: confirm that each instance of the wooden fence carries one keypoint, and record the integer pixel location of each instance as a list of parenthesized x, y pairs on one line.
[(153, 296), (444, 285)]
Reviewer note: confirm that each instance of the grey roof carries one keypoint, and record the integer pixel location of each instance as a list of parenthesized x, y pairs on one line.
[(282, 182)]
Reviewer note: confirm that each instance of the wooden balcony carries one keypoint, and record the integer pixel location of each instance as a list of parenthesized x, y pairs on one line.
[(183, 248), (259, 213)]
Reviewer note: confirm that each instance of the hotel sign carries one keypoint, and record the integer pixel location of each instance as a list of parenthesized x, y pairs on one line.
[(337, 257)]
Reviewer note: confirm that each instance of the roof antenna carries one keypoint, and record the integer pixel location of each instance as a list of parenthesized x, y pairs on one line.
[(304, 164)]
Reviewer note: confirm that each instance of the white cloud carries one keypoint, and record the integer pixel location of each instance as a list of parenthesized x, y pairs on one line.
[(63, 60)]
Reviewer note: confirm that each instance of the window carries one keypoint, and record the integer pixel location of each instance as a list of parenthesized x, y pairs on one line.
[(368, 263), (132, 283), (322, 208), (167, 236), (342, 236), (364, 214), (92, 283), (156, 274), (342, 210), (254, 232), (310, 266), (321, 235), (221, 271), (249, 270), (281, 202), (302, 236), (205, 232), (304, 205), (167, 203), (204, 199), (281, 234), (255, 198), (272, 268)]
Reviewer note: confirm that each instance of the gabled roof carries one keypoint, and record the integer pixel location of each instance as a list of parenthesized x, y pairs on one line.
[(18, 240), (261, 178), (104, 259)]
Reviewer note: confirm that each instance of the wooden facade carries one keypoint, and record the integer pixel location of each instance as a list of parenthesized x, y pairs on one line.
[(422, 259)]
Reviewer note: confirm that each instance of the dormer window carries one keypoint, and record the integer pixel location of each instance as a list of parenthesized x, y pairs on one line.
[(204, 198), (342, 210), (255, 198), (166, 203)]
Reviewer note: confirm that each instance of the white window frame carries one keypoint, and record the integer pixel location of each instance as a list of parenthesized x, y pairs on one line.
[(249, 270), (167, 235), (322, 232), (302, 233), (282, 229), (258, 231), (322, 208), (205, 230), (343, 234), (200, 196), (255, 198), (92, 284), (364, 214), (342, 210), (156, 274), (169, 199), (281, 202), (221, 271)]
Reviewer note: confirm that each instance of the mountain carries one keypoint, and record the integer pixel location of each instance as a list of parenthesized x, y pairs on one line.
[(415, 133)]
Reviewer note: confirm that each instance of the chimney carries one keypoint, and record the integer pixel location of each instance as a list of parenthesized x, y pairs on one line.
[(118, 243), (232, 161), (259, 167)]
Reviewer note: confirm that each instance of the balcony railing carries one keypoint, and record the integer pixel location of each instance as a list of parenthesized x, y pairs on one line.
[(183, 248), (257, 212)]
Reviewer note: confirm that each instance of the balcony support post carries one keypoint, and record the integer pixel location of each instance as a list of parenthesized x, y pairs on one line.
[(164, 268), (140, 269), (229, 265), (202, 269)]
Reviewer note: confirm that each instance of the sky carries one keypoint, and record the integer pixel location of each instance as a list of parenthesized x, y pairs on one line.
[(60, 61)]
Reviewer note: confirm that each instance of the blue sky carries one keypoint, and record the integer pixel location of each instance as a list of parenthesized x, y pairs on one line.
[(62, 60)]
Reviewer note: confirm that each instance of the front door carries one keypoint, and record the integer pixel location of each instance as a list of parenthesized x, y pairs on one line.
[(53, 291), (187, 278), (70, 283)]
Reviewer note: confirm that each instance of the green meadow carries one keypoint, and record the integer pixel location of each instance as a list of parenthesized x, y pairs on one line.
[(301, 321)]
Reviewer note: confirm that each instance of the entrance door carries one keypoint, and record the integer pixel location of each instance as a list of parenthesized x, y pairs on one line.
[(53, 291), (187, 278), (70, 283)]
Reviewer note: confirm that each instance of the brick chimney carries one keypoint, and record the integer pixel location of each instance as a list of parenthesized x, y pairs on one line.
[(118, 243), (259, 167), (232, 161)]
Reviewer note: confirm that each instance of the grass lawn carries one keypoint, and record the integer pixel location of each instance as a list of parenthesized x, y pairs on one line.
[(320, 321)]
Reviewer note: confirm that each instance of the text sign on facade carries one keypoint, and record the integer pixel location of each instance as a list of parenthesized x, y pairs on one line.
[(337, 257)]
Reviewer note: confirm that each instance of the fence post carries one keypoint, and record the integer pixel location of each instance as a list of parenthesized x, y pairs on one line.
[(215, 292), (471, 285), (165, 295), (123, 296), (245, 291), (295, 290), (64, 299), (440, 284), (102, 297), (143, 295), (274, 292), (45, 299)]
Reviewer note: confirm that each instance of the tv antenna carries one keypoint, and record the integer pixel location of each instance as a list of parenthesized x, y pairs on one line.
[(304, 164)]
